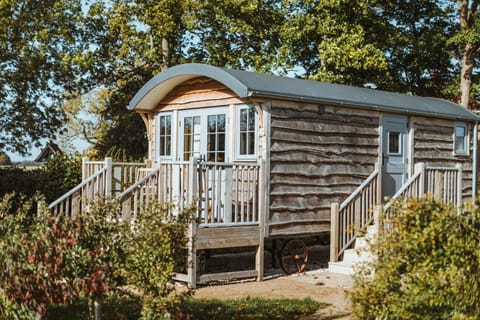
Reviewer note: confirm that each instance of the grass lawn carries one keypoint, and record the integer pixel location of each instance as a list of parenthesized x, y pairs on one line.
[(195, 309)]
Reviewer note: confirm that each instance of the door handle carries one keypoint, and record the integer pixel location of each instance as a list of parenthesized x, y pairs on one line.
[(384, 157)]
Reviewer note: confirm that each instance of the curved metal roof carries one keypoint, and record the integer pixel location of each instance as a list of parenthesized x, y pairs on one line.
[(250, 84)]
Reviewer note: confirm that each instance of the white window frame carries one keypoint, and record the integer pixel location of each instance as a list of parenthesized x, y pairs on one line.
[(466, 139), (172, 135), (239, 156)]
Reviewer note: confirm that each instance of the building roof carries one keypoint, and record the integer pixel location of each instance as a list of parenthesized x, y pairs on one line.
[(48, 152), (255, 85)]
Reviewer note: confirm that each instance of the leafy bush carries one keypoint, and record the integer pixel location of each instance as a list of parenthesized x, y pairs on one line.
[(38, 267), (427, 266), (157, 246), (55, 260), (59, 175)]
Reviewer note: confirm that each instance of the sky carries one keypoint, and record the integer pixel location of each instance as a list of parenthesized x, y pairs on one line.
[(78, 144)]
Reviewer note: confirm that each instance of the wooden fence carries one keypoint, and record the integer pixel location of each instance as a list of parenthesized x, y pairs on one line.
[(222, 193)]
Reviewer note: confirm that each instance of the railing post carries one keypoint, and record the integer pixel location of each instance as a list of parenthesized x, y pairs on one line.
[(192, 256), (85, 174), (108, 177), (334, 218), (260, 256), (420, 167), (377, 212), (459, 186), (378, 191), (192, 232), (438, 186)]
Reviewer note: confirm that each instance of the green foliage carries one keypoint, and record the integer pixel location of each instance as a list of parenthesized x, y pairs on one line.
[(427, 266), (36, 68), (127, 307), (116, 305), (37, 263), (62, 173), (416, 42), (157, 247), (56, 259), (250, 308)]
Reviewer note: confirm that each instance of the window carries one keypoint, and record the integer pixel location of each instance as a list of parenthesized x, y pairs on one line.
[(247, 127), (394, 142), (165, 136), (461, 139), (216, 138)]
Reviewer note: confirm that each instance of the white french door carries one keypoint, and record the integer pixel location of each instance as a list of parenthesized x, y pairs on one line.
[(203, 134)]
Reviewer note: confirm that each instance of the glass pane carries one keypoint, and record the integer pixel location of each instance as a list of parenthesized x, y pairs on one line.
[(210, 156), (168, 125), (460, 139), (188, 125), (187, 147), (211, 146), (460, 145), (221, 142), (243, 119), (168, 145), (394, 142), (251, 143), (251, 119), (162, 146), (221, 123), (212, 123), (243, 143)]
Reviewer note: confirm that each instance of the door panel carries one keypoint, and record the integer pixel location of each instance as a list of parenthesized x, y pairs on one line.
[(394, 154), (204, 134)]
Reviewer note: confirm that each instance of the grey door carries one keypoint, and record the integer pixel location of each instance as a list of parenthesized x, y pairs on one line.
[(394, 154)]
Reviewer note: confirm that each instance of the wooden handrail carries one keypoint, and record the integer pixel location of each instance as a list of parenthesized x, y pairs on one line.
[(360, 188), (353, 215), (76, 189)]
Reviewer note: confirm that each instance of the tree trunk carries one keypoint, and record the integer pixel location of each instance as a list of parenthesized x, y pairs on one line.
[(165, 54), (468, 64)]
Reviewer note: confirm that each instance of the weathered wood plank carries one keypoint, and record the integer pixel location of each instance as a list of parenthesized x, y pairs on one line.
[(296, 229), (227, 237), (227, 276)]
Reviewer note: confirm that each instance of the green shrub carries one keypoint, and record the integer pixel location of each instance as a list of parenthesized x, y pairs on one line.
[(58, 176), (427, 266), (55, 260), (157, 247)]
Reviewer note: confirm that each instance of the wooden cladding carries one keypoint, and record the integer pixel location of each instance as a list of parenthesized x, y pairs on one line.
[(433, 145), (317, 156), (198, 92)]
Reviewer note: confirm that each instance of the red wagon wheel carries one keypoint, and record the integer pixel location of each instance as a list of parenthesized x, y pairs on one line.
[(294, 256)]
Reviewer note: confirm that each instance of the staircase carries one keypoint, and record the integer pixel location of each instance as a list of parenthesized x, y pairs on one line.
[(353, 258), (348, 248)]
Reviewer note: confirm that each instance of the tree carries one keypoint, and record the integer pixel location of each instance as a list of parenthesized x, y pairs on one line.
[(415, 43), (239, 34), (469, 39), (332, 41), (38, 49), (132, 41)]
